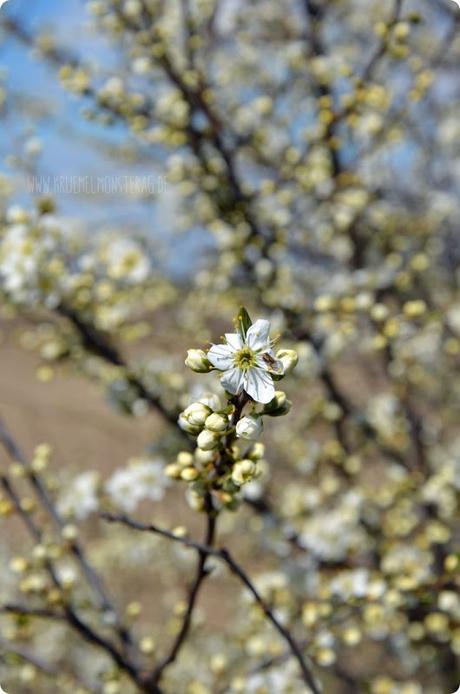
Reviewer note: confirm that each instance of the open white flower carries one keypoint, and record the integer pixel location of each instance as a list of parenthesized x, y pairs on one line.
[(81, 498), (142, 479), (248, 362)]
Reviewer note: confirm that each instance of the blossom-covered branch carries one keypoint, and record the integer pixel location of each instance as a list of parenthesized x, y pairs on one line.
[(225, 556)]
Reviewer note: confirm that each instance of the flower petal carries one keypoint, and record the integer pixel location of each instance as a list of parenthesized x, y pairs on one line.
[(258, 335), (259, 385), (232, 381), (234, 340), (221, 356)]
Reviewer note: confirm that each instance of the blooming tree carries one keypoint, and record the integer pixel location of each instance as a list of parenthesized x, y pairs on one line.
[(313, 143)]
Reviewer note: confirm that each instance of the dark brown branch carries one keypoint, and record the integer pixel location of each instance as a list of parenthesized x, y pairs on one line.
[(225, 556), (93, 578), (96, 342), (25, 611), (200, 576), (382, 47), (85, 631)]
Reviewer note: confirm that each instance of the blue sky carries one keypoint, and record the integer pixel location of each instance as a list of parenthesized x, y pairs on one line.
[(73, 146)]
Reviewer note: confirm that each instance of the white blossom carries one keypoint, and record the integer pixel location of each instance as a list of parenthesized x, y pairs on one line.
[(248, 362), (332, 534), (80, 499), (127, 261), (142, 479)]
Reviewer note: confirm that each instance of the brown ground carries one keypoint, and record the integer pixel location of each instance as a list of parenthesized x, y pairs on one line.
[(68, 412), (71, 414)]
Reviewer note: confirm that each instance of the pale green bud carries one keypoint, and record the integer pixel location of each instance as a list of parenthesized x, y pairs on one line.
[(189, 474), (243, 471), (192, 419), (186, 426), (216, 422), (194, 500), (249, 428), (279, 406), (184, 459), (257, 451), (288, 358), (197, 361), (208, 440), (173, 471), (204, 457), (132, 8), (198, 413)]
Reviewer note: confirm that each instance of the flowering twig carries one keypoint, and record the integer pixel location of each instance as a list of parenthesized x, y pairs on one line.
[(123, 660), (25, 611), (39, 663), (224, 555), (201, 574), (93, 578), (96, 342)]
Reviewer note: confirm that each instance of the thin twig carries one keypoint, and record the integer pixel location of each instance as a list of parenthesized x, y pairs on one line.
[(225, 556), (25, 611), (200, 576), (7, 648), (87, 632), (95, 341), (93, 578)]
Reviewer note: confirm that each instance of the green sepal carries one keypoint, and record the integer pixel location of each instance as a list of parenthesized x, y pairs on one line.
[(243, 321), (230, 487), (233, 505)]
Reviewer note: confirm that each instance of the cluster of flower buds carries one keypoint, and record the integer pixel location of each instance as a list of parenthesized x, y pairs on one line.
[(227, 453)]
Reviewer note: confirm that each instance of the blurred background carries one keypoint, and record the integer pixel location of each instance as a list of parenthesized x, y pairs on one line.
[(161, 165)]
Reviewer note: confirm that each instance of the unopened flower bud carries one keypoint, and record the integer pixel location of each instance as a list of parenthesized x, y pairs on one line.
[(186, 426), (243, 471), (197, 361), (184, 459), (204, 457), (197, 413), (379, 312), (216, 422), (70, 532), (194, 500), (288, 358), (249, 428), (257, 451), (212, 401), (189, 474), (173, 471), (192, 419), (208, 440), (414, 309), (279, 406)]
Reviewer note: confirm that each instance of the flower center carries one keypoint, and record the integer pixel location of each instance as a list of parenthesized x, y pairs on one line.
[(245, 359)]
